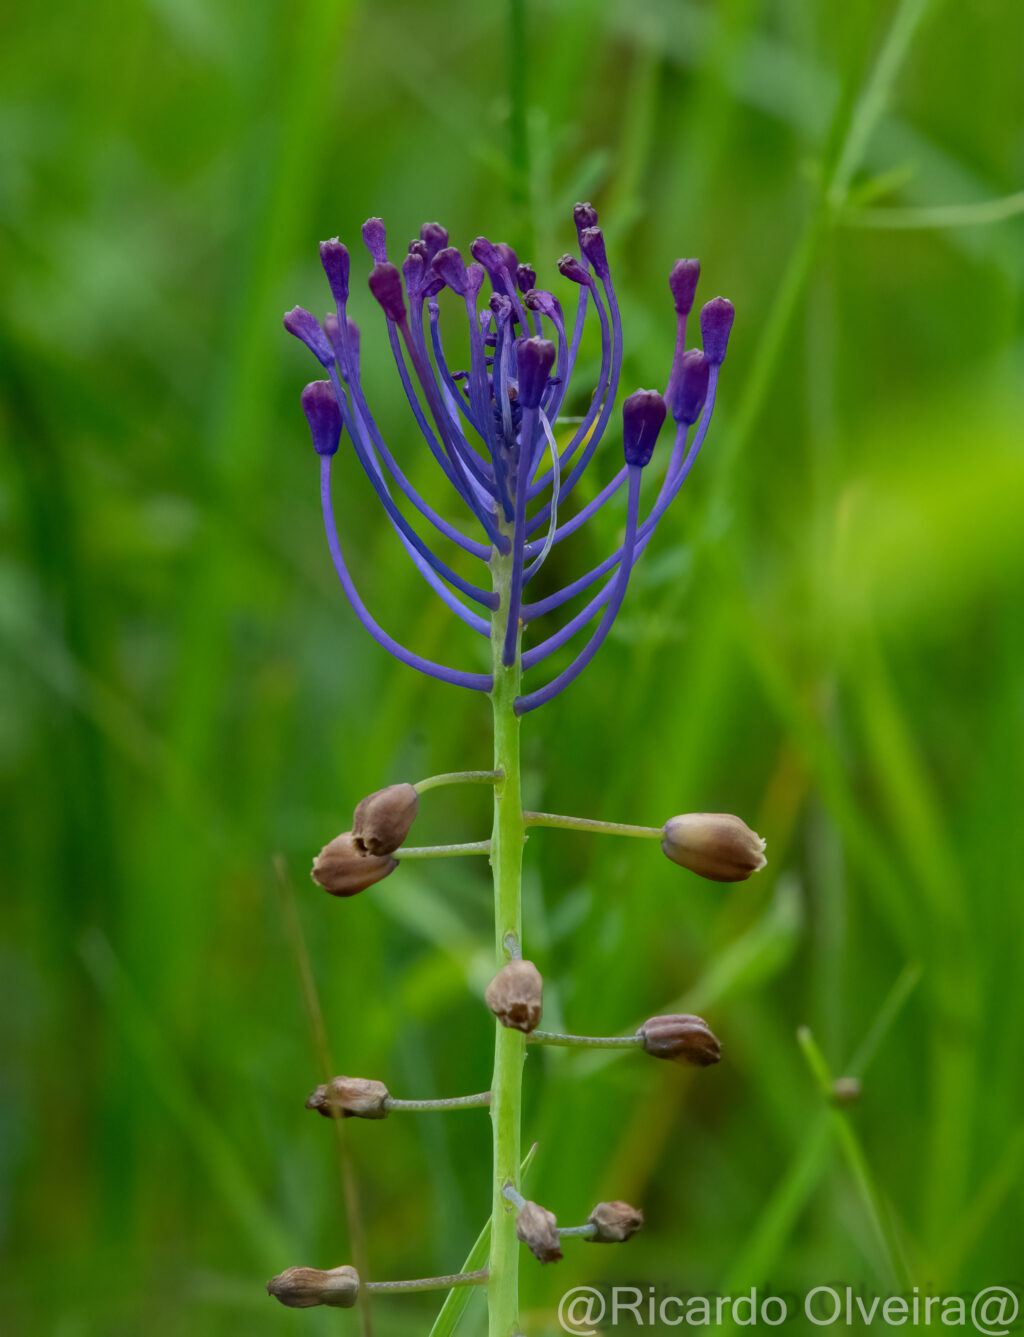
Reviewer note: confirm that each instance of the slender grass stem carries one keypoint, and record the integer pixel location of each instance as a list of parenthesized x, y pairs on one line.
[(591, 824), (430, 1283), (586, 1041), (443, 851), (457, 778), (510, 1045), (578, 1232), (449, 1103)]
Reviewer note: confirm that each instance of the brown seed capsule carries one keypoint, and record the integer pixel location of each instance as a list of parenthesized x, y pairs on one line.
[(343, 869), (615, 1222), (537, 1228), (382, 820), (351, 1098), (685, 1038), (515, 995), (715, 845), (304, 1287)]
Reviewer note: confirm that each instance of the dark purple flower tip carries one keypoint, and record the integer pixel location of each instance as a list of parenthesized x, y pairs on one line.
[(501, 306), (419, 247), (536, 358), (584, 216), (526, 277), (716, 319), (376, 239), (476, 275), (414, 270), (323, 415), (592, 246), (436, 238), (682, 281), (642, 416), (432, 284), (508, 257), (386, 286), (688, 386), (305, 326), (334, 258), (570, 268), (450, 267), (487, 254), (539, 299)]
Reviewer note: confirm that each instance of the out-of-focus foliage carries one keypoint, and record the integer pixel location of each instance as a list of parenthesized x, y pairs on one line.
[(826, 638)]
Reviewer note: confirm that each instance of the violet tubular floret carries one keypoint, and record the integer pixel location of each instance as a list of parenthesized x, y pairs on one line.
[(323, 415), (307, 329)]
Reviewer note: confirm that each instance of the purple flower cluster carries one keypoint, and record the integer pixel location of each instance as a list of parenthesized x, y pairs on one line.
[(492, 429)]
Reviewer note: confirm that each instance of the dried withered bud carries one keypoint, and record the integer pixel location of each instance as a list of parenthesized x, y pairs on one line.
[(615, 1222), (382, 820), (343, 869), (846, 1090), (516, 994), (715, 845), (537, 1228), (350, 1097), (685, 1038), (304, 1287)]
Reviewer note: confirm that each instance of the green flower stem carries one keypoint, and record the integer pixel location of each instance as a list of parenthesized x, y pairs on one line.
[(581, 1232), (586, 1041), (430, 1283), (589, 824), (457, 778), (443, 851), (449, 1103), (509, 1045)]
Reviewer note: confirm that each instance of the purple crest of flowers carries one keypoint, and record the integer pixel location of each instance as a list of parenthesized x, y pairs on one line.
[(494, 430)]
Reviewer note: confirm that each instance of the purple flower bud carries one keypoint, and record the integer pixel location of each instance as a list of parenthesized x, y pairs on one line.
[(539, 299), (536, 358), (716, 319), (376, 239), (476, 275), (508, 257), (501, 306), (487, 254), (420, 248), (584, 216), (432, 284), (386, 286), (570, 268), (334, 258), (689, 386), (304, 326), (526, 277), (435, 236), (450, 267), (682, 282), (323, 415), (642, 416), (592, 246), (331, 326), (414, 270)]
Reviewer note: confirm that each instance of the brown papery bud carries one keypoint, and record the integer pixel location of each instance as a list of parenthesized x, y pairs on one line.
[(343, 869), (846, 1090), (515, 995), (382, 820), (351, 1098), (715, 845), (537, 1228), (615, 1222), (304, 1287), (684, 1038)]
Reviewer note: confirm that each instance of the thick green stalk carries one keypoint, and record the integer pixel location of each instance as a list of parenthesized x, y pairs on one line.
[(509, 1045)]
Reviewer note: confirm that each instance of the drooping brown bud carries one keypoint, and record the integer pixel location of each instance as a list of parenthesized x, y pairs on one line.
[(343, 869), (382, 820), (304, 1287), (350, 1097), (537, 1228), (846, 1090), (515, 996), (684, 1038), (715, 845), (615, 1222)]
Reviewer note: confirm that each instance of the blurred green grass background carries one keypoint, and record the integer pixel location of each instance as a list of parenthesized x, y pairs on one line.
[(826, 638)]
